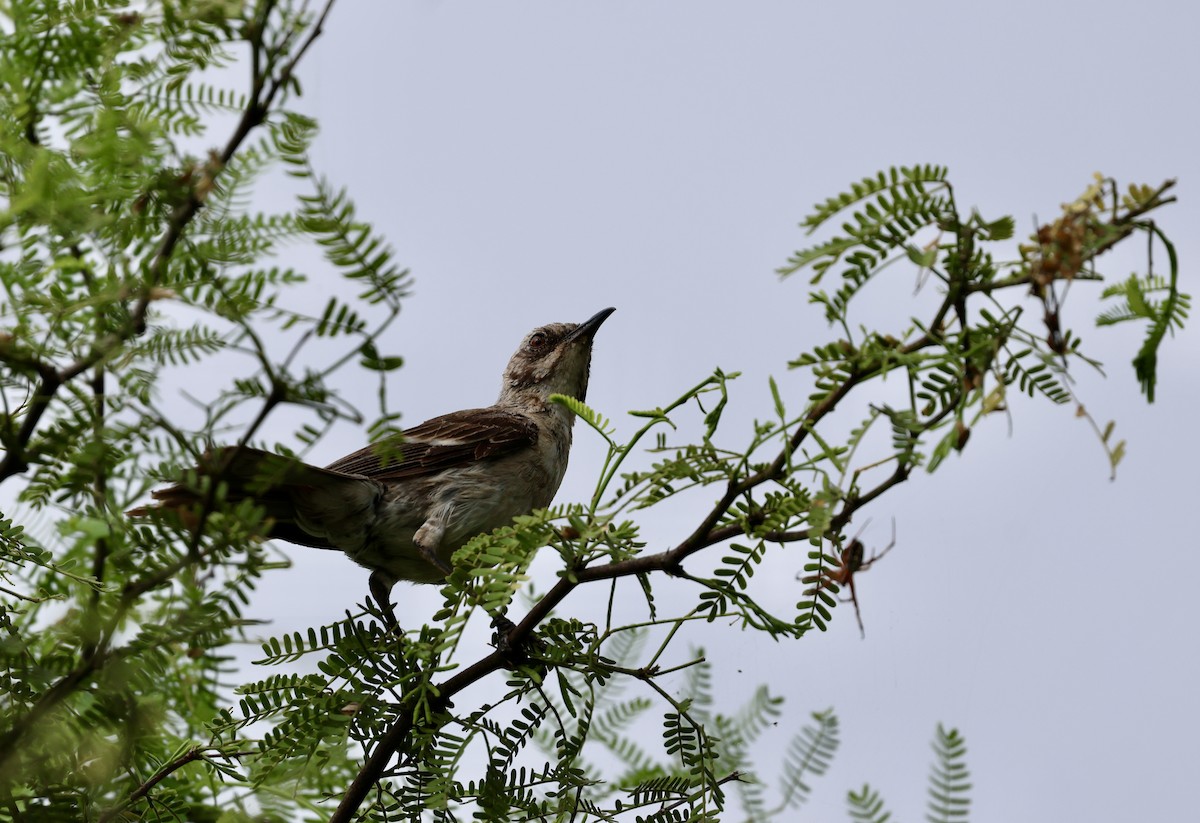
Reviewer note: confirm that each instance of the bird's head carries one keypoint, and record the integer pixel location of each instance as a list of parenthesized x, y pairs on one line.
[(552, 359)]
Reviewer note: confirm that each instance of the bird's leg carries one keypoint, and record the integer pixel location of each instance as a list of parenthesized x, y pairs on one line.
[(381, 590), (427, 539)]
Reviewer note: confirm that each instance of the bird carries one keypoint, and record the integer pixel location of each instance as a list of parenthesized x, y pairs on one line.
[(402, 507)]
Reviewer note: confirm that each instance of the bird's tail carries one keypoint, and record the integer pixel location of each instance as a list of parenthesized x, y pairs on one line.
[(273, 481)]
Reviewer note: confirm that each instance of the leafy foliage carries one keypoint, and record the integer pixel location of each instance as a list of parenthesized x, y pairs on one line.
[(894, 206), (948, 784), (1162, 316), (866, 806), (131, 259), (128, 257)]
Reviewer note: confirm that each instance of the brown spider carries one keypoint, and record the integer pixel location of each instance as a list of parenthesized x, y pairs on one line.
[(851, 562)]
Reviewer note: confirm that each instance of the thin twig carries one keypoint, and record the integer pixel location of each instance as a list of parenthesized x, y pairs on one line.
[(167, 769)]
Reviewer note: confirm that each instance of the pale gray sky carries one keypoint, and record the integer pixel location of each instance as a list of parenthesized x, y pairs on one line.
[(538, 161)]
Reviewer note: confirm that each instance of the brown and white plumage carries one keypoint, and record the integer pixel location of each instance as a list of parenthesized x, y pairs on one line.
[(402, 508)]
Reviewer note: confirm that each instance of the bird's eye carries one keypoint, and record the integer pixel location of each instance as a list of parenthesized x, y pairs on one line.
[(537, 340)]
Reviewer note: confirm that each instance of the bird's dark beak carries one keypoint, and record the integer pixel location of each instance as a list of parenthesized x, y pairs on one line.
[(587, 329)]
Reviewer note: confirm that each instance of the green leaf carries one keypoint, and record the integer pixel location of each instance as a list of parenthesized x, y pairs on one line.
[(923, 257)]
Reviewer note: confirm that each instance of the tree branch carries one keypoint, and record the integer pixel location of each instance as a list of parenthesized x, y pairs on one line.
[(167, 769), (372, 770)]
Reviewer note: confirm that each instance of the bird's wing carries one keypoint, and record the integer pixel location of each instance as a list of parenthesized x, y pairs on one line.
[(457, 439)]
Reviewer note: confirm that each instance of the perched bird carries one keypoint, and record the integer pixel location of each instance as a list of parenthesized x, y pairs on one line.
[(402, 508)]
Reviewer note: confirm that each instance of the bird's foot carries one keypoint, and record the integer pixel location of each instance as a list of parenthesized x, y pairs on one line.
[(526, 654), (502, 629)]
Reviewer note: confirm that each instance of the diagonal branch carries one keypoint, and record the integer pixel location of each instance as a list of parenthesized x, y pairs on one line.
[(190, 756)]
